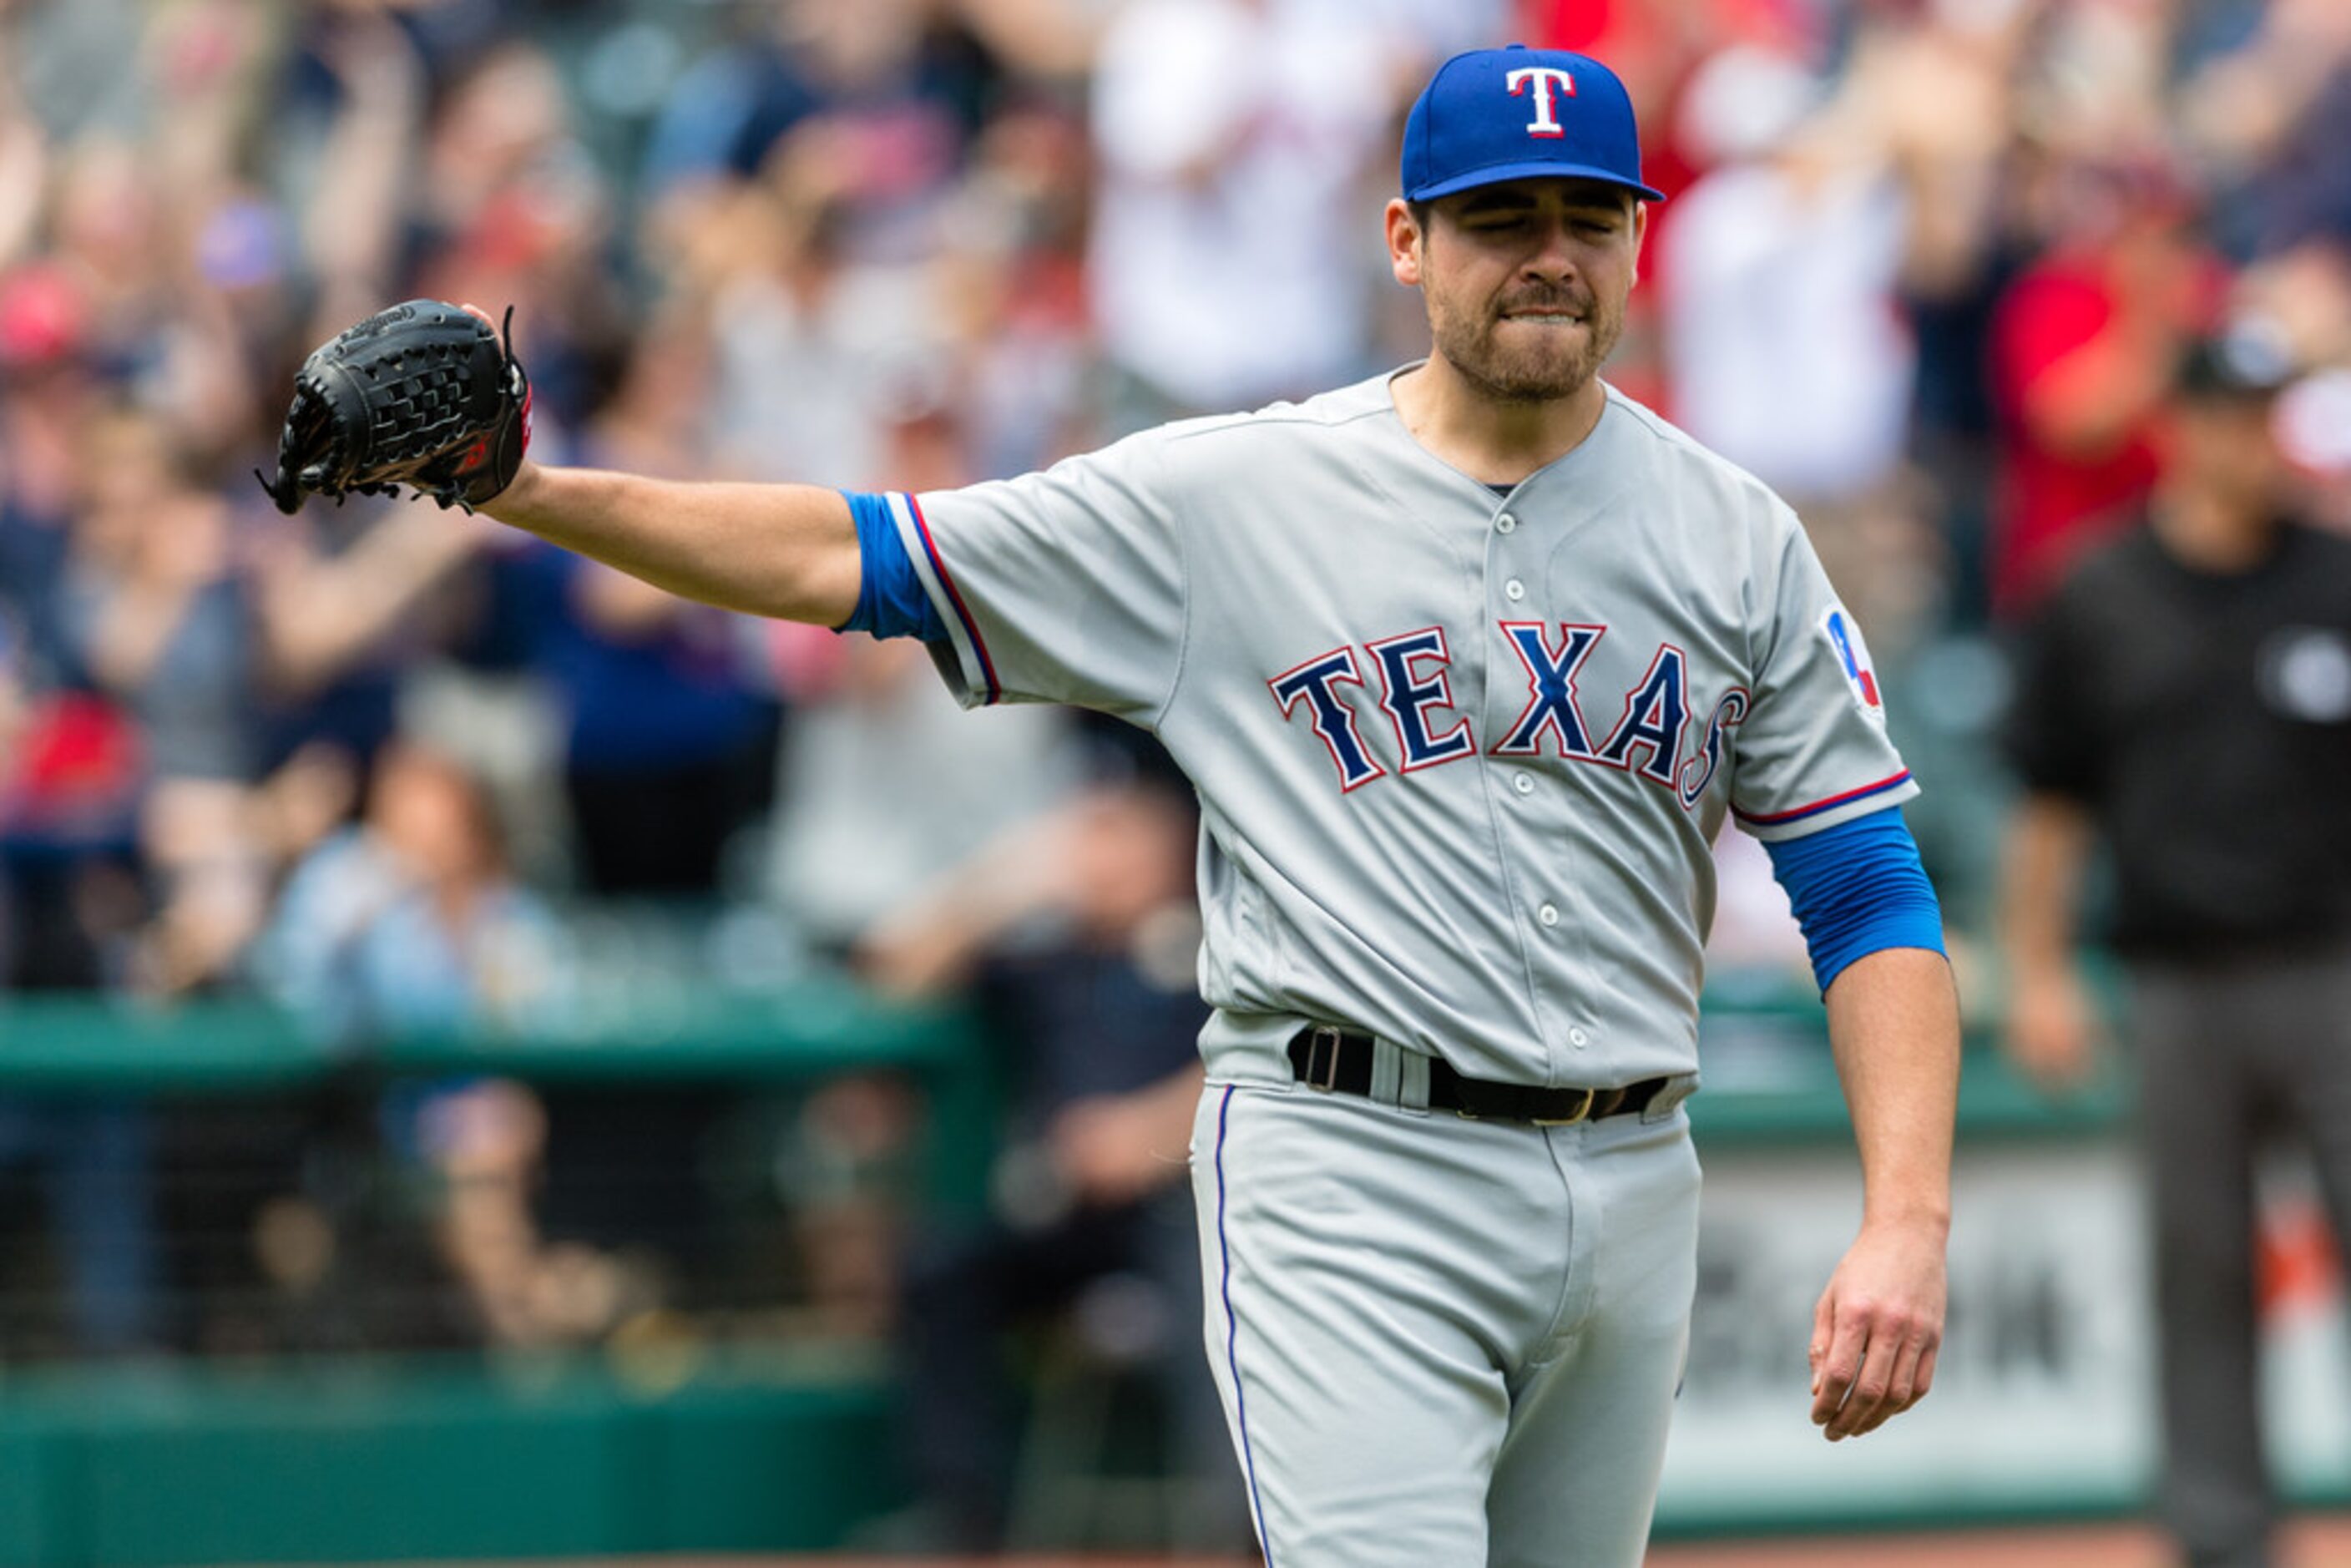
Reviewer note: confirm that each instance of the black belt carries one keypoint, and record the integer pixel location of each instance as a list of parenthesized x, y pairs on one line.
[(1338, 1060)]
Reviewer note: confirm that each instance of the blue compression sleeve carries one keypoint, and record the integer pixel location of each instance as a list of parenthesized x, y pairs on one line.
[(891, 601), (1858, 888)]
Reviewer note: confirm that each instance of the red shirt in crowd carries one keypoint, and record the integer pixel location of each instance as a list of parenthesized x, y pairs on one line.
[(2057, 497)]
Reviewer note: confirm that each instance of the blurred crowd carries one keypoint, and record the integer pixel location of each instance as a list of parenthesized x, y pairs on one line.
[(1927, 267)]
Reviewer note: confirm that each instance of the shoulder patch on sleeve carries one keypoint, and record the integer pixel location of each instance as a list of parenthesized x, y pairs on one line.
[(1844, 635)]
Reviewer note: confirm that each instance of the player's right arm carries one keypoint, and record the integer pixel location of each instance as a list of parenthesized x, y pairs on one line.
[(789, 551), (1064, 586)]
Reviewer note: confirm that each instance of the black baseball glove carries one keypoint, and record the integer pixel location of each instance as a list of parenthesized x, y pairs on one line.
[(424, 395)]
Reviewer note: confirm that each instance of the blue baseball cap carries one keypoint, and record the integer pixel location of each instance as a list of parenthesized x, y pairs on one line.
[(1518, 113)]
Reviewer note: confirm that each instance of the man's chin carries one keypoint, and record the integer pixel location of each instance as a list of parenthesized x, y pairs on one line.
[(1532, 378)]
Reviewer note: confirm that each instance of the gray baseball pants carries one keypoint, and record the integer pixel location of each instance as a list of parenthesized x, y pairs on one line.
[(1439, 1339), (2230, 1051)]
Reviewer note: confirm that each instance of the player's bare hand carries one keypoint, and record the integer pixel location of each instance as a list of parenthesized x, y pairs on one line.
[(2052, 1030), (1877, 1328)]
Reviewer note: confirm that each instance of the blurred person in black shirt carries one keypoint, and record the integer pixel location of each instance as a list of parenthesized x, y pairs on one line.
[(2185, 700), (1080, 935)]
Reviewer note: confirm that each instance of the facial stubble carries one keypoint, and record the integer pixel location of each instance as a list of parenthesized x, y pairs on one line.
[(1542, 371)]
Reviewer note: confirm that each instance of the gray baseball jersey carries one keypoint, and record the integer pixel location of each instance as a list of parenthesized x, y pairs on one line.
[(1460, 755)]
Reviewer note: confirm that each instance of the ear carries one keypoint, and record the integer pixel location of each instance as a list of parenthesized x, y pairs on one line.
[(1640, 235), (1404, 239)]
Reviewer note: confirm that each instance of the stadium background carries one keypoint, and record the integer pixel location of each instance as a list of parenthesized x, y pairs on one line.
[(468, 1078)]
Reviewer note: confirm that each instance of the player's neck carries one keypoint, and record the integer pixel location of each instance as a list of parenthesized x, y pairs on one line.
[(1494, 441)]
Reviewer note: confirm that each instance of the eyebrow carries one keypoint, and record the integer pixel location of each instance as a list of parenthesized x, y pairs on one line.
[(1495, 200)]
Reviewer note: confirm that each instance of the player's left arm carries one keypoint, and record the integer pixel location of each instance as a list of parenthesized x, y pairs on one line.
[(1894, 1024), (1875, 930)]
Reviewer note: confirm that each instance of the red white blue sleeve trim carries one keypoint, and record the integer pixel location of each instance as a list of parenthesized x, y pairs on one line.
[(962, 628), (892, 599), (1798, 813)]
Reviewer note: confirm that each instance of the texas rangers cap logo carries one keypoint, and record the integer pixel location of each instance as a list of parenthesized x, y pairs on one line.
[(1853, 658), (1544, 80)]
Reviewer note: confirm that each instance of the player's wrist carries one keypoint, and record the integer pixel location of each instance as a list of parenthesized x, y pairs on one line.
[(1916, 1214), (521, 495)]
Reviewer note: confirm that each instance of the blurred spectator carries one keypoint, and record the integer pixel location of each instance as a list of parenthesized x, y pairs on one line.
[(24, 156), (75, 776), (409, 920), (2082, 346), (902, 75), (518, 215), (344, 604), (669, 747), (1081, 934), (669, 738), (69, 841), (486, 1144), (1785, 351), (816, 346), (1015, 289), (2185, 700), (156, 614), (1939, 82), (48, 399), (355, 161), (884, 780), (2083, 338), (2270, 116), (191, 623), (66, 897), (97, 1169), (1225, 262)]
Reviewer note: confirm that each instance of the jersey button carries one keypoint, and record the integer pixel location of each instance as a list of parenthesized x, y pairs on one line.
[(1578, 1039), (1524, 783), (1514, 590), (1548, 914), (1505, 523)]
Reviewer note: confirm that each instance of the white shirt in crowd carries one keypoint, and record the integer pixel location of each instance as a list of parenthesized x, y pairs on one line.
[(1239, 211), (1786, 352)]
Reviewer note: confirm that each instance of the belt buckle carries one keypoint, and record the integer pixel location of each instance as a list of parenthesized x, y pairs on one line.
[(1582, 1111), (1322, 1058)]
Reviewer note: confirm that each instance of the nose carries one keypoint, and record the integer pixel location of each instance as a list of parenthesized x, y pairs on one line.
[(1552, 255)]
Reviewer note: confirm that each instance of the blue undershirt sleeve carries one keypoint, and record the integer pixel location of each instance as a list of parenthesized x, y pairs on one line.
[(891, 601), (1858, 888)]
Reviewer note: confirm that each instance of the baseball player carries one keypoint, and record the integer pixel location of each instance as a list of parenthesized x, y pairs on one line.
[(1469, 663)]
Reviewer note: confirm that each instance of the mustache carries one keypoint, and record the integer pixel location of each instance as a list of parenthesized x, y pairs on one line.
[(1577, 301)]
